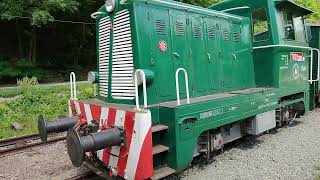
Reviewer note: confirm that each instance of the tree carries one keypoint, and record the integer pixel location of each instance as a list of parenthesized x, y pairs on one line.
[(203, 3), (313, 5), (40, 12)]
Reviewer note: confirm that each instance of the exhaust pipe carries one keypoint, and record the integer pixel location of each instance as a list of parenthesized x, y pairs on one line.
[(78, 145), (59, 125)]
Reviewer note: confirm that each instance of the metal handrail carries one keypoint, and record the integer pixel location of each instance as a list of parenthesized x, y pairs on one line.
[(73, 87), (145, 99), (280, 45), (311, 66), (177, 85)]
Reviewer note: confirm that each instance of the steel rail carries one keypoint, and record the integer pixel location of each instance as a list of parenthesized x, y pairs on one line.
[(17, 144)]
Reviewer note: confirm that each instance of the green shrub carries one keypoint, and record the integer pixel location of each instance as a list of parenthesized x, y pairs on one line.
[(27, 82), (51, 101), (17, 69)]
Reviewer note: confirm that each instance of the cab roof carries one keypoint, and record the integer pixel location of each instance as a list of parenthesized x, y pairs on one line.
[(292, 6), (253, 4)]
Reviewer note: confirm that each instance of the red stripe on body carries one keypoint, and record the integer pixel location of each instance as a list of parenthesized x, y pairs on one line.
[(123, 156), (110, 122), (145, 164), (73, 107), (83, 116), (95, 112)]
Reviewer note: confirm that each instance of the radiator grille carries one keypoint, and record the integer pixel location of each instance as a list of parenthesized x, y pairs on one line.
[(104, 44), (122, 58)]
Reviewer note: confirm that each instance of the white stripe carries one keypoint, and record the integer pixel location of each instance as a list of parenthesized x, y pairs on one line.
[(76, 104), (70, 109), (88, 113), (142, 126), (115, 150), (103, 120)]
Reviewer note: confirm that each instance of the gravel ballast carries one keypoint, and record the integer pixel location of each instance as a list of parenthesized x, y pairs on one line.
[(46, 162), (291, 153)]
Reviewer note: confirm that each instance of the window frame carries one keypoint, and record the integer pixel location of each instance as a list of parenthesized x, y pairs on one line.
[(268, 24), (293, 16)]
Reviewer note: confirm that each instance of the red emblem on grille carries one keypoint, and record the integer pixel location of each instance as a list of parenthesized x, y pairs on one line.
[(162, 46), (111, 27)]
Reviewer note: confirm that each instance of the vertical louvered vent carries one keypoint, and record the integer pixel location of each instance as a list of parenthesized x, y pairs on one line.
[(160, 27), (212, 33), (122, 58), (225, 34), (197, 31), (236, 37), (104, 44), (179, 29)]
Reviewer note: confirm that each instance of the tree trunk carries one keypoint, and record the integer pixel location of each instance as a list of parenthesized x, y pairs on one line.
[(34, 52), (19, 39), (30, 49), (33, 46), (82, 41)]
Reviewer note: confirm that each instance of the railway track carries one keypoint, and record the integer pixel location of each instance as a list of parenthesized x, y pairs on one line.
[(18, 144)]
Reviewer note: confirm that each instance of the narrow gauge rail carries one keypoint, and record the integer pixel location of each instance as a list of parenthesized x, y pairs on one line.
[(17, 144)]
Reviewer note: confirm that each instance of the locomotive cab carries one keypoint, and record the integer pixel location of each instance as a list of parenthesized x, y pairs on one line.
[(279, 43)]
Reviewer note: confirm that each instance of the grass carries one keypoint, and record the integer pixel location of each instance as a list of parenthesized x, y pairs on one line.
[(10, 92), (51, 101)]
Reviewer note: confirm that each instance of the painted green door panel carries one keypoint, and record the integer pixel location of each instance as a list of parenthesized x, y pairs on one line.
[(239, 73), (226, 54), (199, 55), (163, 61), (213, 52), (180, 48)]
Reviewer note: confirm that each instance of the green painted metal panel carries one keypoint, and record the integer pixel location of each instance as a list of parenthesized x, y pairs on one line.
[(180, 47), (199, 57), (213, 38), (315, 43)]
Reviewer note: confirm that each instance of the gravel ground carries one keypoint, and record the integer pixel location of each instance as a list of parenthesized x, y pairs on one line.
[(50, 162), (291, 153)]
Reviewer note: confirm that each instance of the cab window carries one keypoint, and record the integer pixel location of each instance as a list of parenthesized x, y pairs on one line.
[(293, 27), (260, 25)]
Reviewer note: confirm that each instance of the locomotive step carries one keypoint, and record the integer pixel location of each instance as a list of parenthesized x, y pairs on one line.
[(157, 149), (162, 172), (158, 128)]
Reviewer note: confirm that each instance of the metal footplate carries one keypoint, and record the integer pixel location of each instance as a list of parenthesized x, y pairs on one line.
[(158, 128), (157, 149), (162, 172)]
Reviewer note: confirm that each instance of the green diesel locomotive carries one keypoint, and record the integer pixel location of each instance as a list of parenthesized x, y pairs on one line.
[(176, 81)]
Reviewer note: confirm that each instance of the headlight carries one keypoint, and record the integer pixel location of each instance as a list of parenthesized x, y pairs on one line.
[(110, 5), (93, 77)]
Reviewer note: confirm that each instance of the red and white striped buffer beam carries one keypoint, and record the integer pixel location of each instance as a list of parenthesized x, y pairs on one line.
[(134, 161)]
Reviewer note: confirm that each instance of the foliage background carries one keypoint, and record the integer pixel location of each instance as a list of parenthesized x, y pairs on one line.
[(35, 42)]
